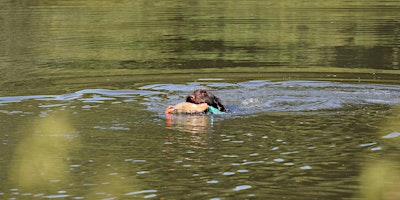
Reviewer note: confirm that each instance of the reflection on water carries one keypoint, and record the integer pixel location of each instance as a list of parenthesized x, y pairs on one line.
[(39, 36), (189, 123)]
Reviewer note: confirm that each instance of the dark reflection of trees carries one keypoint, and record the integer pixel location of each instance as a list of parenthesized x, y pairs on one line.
[(16, 39), (383, 56), (377, 57), (181, 46), (200, 34), (186, 44)]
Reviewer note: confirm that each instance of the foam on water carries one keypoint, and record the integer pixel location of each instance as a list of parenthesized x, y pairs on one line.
[(289, 96)]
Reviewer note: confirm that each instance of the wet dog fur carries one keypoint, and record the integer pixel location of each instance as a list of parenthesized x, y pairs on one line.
[(203, 96)]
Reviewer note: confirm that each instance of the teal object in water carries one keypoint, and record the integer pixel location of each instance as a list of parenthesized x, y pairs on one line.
[(213, 110)]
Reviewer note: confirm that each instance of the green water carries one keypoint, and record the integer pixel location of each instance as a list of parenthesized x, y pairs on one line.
[(314, 88)]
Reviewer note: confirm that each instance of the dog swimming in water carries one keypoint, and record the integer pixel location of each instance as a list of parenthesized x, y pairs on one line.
[(200, 96), (200, 101)]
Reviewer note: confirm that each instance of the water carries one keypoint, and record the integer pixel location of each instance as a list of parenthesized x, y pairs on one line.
[(100, 143), (313, 88)]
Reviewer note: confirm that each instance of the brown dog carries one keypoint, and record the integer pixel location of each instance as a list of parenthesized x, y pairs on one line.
[(203, 96)]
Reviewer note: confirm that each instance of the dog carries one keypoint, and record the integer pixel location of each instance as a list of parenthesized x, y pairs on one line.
[(203, 96)]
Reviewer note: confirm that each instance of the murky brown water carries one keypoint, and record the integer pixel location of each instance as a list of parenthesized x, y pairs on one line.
[(313, 88)]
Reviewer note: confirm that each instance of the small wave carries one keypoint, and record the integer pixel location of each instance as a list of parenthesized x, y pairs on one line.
[(243, 98), (288, 96)]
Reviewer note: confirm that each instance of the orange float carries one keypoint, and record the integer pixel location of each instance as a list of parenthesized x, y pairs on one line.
[(186, 107)]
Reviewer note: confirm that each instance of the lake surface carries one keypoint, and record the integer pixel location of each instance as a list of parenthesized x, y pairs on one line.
[(314, 90)]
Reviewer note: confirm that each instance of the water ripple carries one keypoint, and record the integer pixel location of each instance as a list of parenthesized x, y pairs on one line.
[(242, 187), (140, 192), (248, 97), (265, 96)]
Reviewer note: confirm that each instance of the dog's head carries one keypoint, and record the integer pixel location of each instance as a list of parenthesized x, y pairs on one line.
[(204, 96), (193, 98)]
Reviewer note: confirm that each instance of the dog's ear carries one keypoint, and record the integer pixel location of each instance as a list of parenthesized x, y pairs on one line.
[(193, 98), (190, 98)]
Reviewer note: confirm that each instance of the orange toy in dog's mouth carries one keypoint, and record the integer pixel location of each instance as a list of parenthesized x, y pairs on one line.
[(186, 107)]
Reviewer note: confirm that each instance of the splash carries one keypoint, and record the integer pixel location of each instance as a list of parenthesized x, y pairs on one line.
[(289, 96), (248, 97)]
